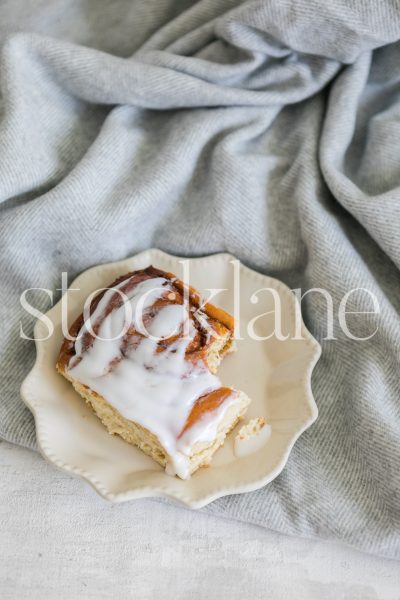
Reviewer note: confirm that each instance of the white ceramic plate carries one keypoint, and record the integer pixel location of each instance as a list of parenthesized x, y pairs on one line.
[(275, 374)]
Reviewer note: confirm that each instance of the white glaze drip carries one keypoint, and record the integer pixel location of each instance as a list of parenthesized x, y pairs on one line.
[(155, 389)]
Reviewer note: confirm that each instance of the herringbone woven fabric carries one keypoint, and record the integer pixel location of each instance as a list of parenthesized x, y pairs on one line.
[(269, 129)]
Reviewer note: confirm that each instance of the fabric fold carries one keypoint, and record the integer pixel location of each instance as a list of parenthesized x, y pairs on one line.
[(268, 129)]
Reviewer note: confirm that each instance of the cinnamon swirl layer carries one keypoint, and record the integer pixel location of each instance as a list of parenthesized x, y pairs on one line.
[(149, 349)]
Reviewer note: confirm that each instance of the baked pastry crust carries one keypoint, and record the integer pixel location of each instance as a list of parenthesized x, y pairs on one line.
[(212, 340)]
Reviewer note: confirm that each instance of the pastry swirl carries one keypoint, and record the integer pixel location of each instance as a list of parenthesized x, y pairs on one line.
[(149, 372)]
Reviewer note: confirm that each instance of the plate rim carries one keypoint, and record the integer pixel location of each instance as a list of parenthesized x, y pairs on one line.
[(32, 402)]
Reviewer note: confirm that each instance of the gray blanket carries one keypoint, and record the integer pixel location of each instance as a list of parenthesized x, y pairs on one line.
[(269, 129)]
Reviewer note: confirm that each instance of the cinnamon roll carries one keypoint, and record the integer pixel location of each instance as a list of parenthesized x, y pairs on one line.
[(145, 359)]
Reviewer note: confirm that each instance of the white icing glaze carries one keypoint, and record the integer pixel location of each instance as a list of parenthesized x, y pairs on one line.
[(251, 443), (205, 430), (155, 389)]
